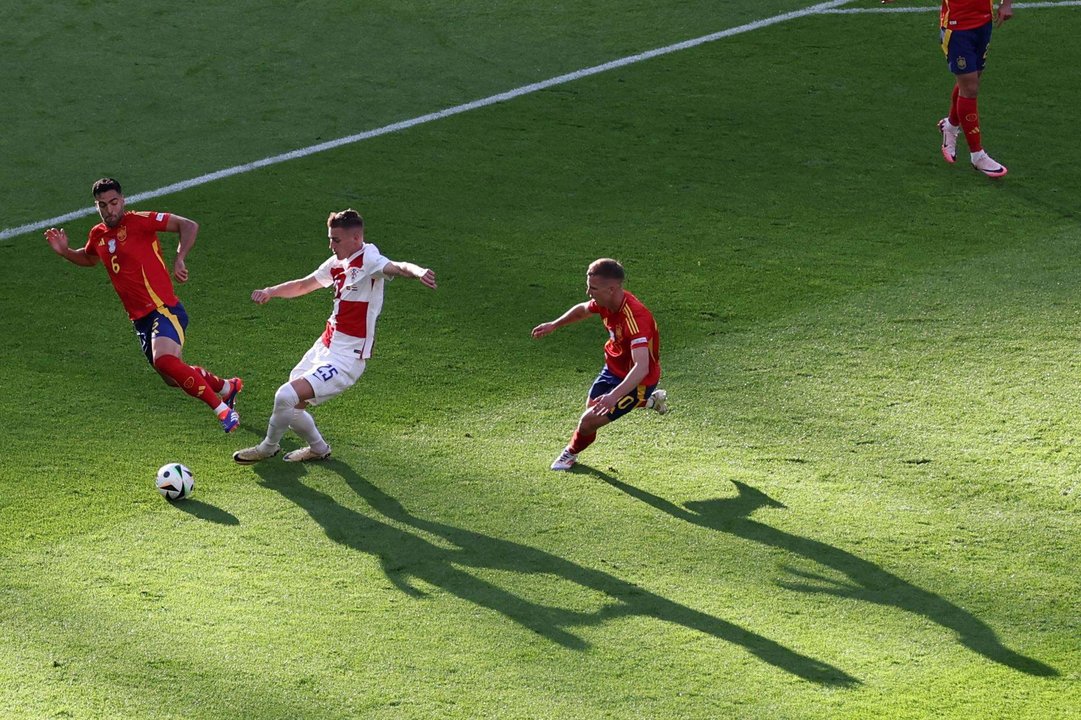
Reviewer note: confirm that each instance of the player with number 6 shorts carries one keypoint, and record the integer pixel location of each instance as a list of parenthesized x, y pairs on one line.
[(357, 273)]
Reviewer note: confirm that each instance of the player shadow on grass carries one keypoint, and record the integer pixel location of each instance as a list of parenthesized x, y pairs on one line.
[(411, 549), (864, 580)]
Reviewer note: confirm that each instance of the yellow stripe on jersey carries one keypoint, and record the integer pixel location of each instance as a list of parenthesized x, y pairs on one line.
[(150, 291), (946, 42), (157, 251), (631, 324)]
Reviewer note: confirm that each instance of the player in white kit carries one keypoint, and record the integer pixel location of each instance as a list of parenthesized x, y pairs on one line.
[(357, 272)]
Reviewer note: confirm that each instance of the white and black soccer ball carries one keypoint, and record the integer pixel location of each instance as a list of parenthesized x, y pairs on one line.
[(175, 481)]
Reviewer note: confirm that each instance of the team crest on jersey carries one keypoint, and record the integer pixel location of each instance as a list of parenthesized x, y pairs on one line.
[(351, 282), (112, 246), (961, 63)]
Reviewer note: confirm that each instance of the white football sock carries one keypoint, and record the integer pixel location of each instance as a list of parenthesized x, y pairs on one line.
[(303, 424), (285, 402)]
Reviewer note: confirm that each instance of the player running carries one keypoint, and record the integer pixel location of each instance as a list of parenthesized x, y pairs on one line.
[(127, 242), (337, 359), (965, 33), (631, 356)]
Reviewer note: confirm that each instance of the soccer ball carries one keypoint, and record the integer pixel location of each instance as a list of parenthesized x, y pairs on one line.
[(175, 482)]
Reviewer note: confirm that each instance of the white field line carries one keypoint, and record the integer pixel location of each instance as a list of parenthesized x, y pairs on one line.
[(419, 120), (831, 7), (929, 8)]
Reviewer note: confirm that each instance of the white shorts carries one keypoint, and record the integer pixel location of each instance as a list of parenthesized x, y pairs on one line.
[(329, 373)]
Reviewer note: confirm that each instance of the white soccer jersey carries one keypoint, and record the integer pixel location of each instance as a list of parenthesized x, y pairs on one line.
[(358, 299)]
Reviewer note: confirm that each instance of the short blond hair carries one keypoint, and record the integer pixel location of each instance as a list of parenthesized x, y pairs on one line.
[(607, 268)]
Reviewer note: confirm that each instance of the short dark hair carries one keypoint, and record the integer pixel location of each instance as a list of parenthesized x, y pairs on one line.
[(105, 185), (606, 268), (347, 219)]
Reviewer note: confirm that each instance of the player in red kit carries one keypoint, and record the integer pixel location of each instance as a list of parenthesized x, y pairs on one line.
[(127, 242), (965, 33), (632, 365)]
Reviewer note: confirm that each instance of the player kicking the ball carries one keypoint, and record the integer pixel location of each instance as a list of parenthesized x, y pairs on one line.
[(631, 356), (337, 359), (128, 244)]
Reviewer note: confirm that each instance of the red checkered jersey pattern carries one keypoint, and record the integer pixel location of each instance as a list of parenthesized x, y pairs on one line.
[(132, 257), (629, 327), (358, 299), (965, 14)]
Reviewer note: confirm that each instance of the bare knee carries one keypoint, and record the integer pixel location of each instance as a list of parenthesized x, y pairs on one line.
[(968, 85), (590, 423)]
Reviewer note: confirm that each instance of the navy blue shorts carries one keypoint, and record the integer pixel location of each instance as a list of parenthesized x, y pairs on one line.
[(606, 382), (167, 321), (966, 50)]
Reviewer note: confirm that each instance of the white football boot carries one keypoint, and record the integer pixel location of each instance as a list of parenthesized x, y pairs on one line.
[(252, 455), (565, 461), (305, 454)]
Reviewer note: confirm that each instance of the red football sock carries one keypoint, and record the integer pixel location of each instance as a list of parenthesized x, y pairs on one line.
[(955, 117), (187, 378), (580, 441), (970, 122), (215, 382)]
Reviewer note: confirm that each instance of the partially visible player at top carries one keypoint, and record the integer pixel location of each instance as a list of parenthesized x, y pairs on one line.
[(127, 242), (965, 33), (632, 365), (356, 271)]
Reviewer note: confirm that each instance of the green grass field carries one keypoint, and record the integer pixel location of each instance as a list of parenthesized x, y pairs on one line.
[(864, 503)]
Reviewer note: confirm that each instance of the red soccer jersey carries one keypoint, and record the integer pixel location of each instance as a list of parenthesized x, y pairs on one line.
[(629, 327), (965, 14), (132, 257)]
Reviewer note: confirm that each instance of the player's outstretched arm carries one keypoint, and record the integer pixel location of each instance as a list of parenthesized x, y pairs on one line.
[(188, 231), (409, 270), (58, 241), (291, 289), (574, 314)]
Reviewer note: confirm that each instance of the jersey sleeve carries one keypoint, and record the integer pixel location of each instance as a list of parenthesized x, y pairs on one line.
[(639, 329), (374, 261), (593, 307), (152, 221), (322, 273), (91, 242)]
